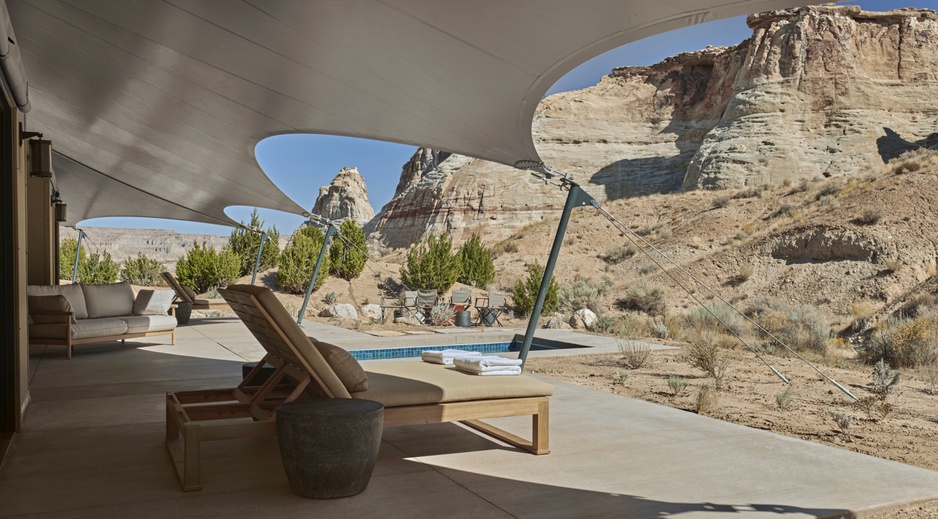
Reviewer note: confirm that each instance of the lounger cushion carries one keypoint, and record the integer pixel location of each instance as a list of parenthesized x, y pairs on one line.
[(406, 382), (149, 323), (55, 303), (111, 300), (153, 302), (189, 293), (348, 369), (74, 294)]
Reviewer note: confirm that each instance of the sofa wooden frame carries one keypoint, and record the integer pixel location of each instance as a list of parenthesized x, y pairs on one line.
[(69, 342), (196, 416)]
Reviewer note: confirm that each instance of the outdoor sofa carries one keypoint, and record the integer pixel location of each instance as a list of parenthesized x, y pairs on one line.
[(81, 314), (413, 392)]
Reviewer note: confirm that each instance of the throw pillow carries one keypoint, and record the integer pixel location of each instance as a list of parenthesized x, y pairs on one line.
[(348, 369), (55, 303), (153, 302)]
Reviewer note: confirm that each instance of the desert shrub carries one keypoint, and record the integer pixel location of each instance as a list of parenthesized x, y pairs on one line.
[(930, 376), (904, 343), (677, 384), (98, 269), (721, 201), (431, 264), (634, 354), (619, 253), (843, 422), (525, 291), (660, 331), (348, 252), (605, 324), (745, 272), (785, 398), (631, 325), (67, 249), (643, 297), (243, 243), (801, 327), (869, 216), (142, 270), (441, 314), (703, 352), (717, 318), (827, 190), (581, 293), (204, 268), (299, 260), (475, 261), (706, 399), (749, 192), (329, 298)]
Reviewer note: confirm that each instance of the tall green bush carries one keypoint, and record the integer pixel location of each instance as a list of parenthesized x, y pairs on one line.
[(431, 264), (142, 271), (348, 261), (475, 260), (204, 268), (98, 269), (67, 249), (525, 291), (244, 243), (299, 259)]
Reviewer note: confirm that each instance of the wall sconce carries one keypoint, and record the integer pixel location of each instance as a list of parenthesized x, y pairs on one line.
[(61, 212), (40, 158)]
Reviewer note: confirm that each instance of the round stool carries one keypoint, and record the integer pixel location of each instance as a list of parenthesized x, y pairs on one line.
[(329, 446)]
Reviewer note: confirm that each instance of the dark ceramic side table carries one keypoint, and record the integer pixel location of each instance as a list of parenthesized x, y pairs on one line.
[(329, 446)]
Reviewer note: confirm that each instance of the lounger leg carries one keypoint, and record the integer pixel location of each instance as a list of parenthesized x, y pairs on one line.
[(540, 427)]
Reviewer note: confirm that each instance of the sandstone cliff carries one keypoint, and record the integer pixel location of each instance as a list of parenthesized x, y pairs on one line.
[(816, 91), (346, 197)]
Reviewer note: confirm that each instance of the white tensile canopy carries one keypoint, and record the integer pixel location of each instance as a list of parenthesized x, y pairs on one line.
[(154, 106)]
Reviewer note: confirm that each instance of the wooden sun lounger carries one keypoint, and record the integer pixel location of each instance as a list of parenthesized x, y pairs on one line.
[(412, 392), (186, 294)]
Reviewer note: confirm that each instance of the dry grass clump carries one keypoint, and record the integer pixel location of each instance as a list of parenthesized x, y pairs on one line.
[(904, 343), (721, 201), (869, 216), (920, 160), (619, 253), (717, 318), (704, 353), (800, 327), (643, 297), (707, 400), (634, 354)]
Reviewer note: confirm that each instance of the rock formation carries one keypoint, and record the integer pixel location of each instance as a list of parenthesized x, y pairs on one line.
[(346, 197), (816, 91)]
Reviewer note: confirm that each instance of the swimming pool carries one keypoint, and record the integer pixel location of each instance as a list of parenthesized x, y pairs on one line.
[(484, 348)]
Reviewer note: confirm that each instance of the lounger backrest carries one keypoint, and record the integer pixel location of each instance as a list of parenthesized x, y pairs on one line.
[(461, 296), (410, 298), (277, 331), (496, 299), (175, 285)]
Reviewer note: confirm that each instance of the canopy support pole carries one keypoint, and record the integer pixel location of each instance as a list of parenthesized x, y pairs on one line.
[(257, 262), (312, 281), (81, 235), (575, 198)]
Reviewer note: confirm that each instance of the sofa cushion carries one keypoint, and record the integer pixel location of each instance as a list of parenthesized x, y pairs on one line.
[(102, 327), (149, 323), (112, 300), (74, 294), (153, 302), (412, 382), (348, 369), (56, 303)]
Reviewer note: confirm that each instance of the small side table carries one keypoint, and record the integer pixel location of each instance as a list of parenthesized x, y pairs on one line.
[(329, 446)]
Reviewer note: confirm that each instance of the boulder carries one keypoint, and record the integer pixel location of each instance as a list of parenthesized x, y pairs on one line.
[(583, 318), (340, 311), (372, 312), (557, 322)]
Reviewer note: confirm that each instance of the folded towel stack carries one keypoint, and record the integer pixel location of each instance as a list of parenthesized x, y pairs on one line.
[(488, 365), (446, 357)]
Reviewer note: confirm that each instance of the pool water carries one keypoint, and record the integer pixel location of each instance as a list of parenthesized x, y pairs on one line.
[(483, 348)]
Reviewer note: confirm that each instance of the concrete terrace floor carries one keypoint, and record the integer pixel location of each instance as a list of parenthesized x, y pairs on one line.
[(92, 446)]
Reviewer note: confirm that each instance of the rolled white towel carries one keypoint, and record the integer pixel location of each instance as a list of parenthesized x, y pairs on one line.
[(446, 357), (488, 365)]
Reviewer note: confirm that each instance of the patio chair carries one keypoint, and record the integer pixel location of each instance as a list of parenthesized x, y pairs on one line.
[(461, 299), (413, 392), (186, 294), (425, 301), (491, 307)]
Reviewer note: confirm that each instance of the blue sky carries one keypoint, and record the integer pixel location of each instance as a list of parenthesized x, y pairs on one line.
[(301, 164)]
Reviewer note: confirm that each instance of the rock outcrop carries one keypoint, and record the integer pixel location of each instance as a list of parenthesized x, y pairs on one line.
[(816, 91), (346, 197)]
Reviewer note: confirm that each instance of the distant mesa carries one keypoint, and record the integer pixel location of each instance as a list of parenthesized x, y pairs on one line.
[(346, 197)]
